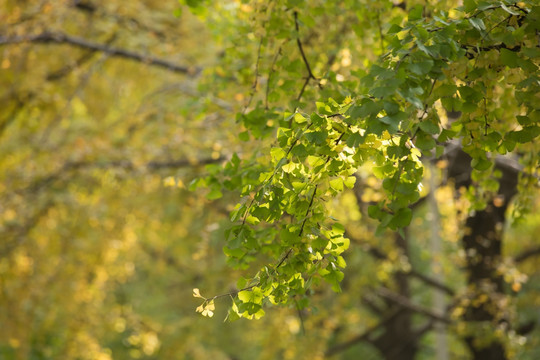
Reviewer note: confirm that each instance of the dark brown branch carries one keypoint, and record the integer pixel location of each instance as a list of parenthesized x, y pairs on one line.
[(380, 255), (91, 9), (234, 292), (16, 235), (84, 6), (155, 165), (66, 70), (369, 300), (60, 38), (18, 104), (396, 352), (431, 282), (60, 73), (121, 164), (527, 254), (299, 43), (406, 303), (365, 336), (472, 49), (301, 93)]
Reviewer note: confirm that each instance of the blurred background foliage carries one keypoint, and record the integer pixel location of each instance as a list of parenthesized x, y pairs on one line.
[(108, 110)]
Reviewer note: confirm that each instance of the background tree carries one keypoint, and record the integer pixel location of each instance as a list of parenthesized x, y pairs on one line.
[(109, 109)]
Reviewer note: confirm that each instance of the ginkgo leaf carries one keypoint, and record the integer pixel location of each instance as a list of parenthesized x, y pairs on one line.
[(208, 312), (196, 293)]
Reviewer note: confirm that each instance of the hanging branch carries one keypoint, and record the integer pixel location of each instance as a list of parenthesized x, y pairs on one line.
[(256, 80), (299, 43), (61, 38), (70, 166), (304, 58)]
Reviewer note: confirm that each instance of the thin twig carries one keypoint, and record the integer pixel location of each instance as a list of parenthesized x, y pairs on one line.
[(256, 81), (299, 43), (286, 256), (301, 93), (278, 53)]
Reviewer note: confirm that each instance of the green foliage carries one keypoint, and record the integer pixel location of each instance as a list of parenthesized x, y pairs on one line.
[(315, 137), (476, 59)]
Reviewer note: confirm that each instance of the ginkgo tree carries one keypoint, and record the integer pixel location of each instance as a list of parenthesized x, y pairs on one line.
[(364, 140), (453, 84)]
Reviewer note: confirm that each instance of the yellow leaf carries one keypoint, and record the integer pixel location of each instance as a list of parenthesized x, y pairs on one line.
[(196, 293), (208, 312), (169, 181)]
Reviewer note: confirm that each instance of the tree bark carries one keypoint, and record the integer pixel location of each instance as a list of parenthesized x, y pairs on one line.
[(482, 243)]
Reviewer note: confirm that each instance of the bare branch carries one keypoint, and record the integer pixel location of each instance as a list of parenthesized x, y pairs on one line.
[(432, 282), (406, 303), (60, 38), (299, 43), (16, 235), (121, 164), (365, 336), (524, 255), (60, 73), (380, 255)]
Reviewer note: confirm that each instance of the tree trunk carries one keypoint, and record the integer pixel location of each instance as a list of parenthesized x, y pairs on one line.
[(399, 341), (482, 243)]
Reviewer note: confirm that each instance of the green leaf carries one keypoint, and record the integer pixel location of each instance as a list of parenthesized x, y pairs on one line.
[(244, 136), (401, 218), (422, 67), (416, 13), (290, 167), (251, 296), (233, 314), (429, 127), (509, 58), (368, 108), (354, 140), (337, 184), (316, 137), (214, 194), (350, 181), (333, 276), (470, 94), (524, 120), (478, 24), (394, 29), (525, 135), (277, 154), (508, 10), (374, 212), (424, 141), (298, 118), (481, 164)]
